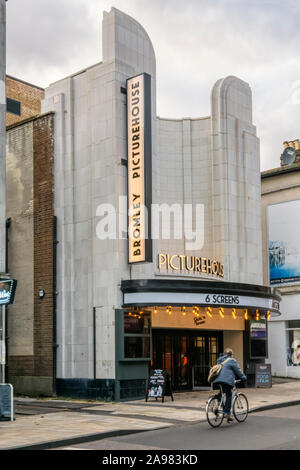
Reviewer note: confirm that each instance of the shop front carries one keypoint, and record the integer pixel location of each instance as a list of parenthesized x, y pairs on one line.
[(183, 326), (186, 355)]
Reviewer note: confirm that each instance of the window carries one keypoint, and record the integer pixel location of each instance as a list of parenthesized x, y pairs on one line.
[(135, 323), (13, 106), (137, 329), (258, 337), (293, 336), (137, 347), (258, 349)]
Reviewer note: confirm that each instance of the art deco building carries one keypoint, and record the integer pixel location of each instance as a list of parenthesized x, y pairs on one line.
[(123, 303)]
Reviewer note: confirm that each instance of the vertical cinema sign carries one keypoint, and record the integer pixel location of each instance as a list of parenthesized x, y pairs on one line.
[(139, 168)]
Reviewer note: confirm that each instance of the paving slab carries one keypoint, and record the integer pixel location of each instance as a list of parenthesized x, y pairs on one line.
[(30, 430), (54, 423)]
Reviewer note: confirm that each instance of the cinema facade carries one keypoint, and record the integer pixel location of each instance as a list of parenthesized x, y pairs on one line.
[(132, 293)]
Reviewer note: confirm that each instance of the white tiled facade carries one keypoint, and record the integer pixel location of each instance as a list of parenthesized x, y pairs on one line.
[(212, 161)]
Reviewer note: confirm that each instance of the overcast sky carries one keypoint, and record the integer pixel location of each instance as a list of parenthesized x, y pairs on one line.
[(196, 42)]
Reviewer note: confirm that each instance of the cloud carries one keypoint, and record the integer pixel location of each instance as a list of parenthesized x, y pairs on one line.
[(47, 38), (196, 43)]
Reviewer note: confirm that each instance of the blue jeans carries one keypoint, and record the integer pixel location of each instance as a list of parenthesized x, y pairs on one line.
[(227, 389)]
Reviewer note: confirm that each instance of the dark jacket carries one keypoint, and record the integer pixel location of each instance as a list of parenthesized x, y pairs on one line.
[(230, 371)]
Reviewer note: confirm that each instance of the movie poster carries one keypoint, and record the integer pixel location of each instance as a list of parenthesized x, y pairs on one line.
[(284, 242)]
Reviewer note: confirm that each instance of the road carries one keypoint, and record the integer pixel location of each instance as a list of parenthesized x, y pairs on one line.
[(277, 429)]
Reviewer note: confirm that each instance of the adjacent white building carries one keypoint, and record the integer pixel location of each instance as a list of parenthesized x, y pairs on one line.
[(281, 248)]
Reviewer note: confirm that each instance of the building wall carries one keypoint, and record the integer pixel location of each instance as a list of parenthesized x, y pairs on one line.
[(90, 141), (2, 131), (213, 161), (282, 187), (277, 188), (30, 97), (236, 176), (19, 170), (30, 254), (277, 348), (185, 177)]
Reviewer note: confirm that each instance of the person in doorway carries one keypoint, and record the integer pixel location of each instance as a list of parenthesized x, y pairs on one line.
[(229, 372)]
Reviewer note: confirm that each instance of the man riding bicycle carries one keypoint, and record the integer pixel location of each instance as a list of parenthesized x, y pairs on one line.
[(230, 370)]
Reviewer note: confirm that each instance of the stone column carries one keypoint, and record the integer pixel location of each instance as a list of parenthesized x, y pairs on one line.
[(2, 170), (237, 182), (2, 132)]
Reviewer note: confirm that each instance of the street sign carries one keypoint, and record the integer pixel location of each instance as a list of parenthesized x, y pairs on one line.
[(6, 402), (7, 291)]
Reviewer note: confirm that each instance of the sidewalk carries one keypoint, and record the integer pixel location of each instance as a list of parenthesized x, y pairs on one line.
[(53, 423)]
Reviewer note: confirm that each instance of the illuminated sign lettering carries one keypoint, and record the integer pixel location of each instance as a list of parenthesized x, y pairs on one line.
[(191, 264), (139, 167)]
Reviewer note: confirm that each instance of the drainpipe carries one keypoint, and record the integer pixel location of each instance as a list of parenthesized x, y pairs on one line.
[(8, 225), (54, 294), (94, 344)]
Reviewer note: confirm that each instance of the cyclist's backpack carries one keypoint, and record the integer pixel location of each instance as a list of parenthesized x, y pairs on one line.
[(214, 371)]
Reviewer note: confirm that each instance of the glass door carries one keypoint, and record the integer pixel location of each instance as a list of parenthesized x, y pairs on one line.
[(186, 355), (205, 354), (182, 377), (199, 361), (163, 357)]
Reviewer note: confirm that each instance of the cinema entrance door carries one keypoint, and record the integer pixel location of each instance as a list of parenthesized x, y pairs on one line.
[(186, 355)]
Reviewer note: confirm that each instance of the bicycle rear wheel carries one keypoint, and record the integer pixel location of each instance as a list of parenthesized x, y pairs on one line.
[(240, 407), (214, 415)]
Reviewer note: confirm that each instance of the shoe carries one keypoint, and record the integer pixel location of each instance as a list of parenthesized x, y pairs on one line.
[(229, 418)]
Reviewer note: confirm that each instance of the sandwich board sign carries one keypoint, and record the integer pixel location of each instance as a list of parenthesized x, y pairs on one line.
[(6, 402), (159, 385), (263, 376)]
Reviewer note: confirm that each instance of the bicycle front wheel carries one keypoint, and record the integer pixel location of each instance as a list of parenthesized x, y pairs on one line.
[(214, 414), (240, 407)]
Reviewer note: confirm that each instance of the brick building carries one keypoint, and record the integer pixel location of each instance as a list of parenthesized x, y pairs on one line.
[(30, 254), (23, 100), (29, 238)]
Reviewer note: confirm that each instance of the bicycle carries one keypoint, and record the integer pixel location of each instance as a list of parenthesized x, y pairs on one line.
[(215, 407)]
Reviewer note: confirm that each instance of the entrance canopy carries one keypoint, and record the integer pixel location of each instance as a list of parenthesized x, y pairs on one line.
[(184, 293)]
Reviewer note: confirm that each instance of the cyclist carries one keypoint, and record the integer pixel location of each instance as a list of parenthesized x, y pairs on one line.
[(230, 370)]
